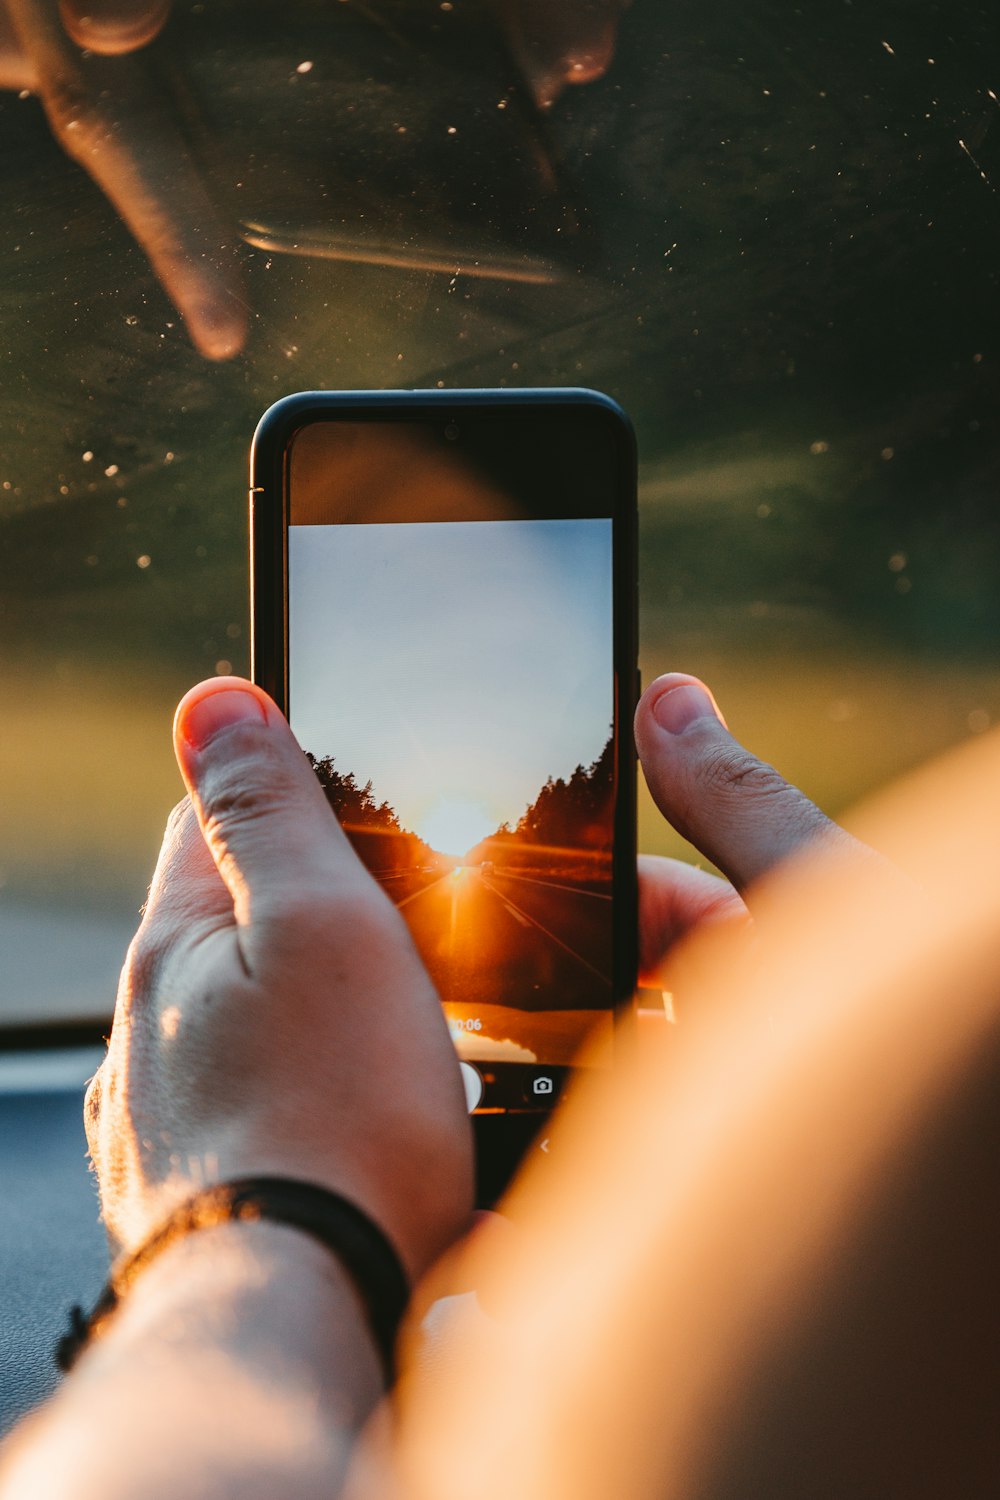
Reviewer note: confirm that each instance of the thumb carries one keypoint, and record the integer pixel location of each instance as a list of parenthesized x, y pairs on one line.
[(262, 812), (737, 810)]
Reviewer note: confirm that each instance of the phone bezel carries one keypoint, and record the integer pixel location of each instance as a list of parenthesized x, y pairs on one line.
[(501, 1140)]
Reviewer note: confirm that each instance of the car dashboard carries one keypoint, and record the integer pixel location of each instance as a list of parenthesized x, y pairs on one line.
[(53, 1251)]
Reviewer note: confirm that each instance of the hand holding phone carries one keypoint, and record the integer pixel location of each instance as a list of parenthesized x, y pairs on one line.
[(444, 605)]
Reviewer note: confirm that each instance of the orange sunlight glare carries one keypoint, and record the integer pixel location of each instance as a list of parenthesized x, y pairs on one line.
[(453, 828)]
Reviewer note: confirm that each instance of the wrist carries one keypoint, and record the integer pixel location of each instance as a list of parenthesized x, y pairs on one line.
[(357, 1243), (242, 1354), (249, 1290)]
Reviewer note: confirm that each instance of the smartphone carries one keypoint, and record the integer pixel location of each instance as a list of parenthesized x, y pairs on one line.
[(444, 605)]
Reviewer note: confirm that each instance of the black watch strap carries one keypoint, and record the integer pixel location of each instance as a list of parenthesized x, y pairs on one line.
[(361, 1247)]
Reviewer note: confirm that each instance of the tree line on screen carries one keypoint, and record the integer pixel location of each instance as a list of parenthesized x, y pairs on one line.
[(372, 826), (573, 813)]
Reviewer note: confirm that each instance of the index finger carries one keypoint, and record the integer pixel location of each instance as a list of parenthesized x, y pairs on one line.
[(186, 887), (674, 898)]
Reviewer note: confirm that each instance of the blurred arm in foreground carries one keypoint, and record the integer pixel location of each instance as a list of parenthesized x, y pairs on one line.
[(767, 1263)]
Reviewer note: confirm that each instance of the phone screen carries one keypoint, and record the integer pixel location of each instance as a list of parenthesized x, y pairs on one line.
[(451, 626)]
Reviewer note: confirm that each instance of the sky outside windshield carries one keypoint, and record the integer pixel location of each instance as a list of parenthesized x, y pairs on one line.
[(457, 665)]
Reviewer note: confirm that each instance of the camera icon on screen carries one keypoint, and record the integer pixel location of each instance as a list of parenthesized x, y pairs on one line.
[(542, 1086)]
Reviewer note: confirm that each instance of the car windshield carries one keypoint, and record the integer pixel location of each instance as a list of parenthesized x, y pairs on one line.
[(768, 231)]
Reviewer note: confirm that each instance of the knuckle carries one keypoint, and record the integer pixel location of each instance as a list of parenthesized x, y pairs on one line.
[(158, 964), (143, 962), (173, 837), (93, 1100), (100, 1106), (732, 772), (176, 819), (235, 794)]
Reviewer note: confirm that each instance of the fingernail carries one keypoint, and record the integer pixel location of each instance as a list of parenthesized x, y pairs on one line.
[(202, 720), (113, 26), (678, 707)]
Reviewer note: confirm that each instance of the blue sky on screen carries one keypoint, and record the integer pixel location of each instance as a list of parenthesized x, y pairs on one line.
[(452, 662)]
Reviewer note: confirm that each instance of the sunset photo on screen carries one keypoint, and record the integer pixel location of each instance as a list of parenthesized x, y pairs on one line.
[(452, 686)]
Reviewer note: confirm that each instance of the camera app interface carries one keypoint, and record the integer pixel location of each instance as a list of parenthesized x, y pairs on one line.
[(451, 682)]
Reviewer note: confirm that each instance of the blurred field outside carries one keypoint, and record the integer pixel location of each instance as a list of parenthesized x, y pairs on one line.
[(89, 777)]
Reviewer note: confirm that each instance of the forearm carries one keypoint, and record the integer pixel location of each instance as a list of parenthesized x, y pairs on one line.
[(240, 1364)]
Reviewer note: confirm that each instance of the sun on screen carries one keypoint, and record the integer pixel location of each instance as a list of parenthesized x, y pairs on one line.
[(453, 828)]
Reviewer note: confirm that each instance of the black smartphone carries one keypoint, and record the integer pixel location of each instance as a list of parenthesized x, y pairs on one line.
[(444, 604)]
